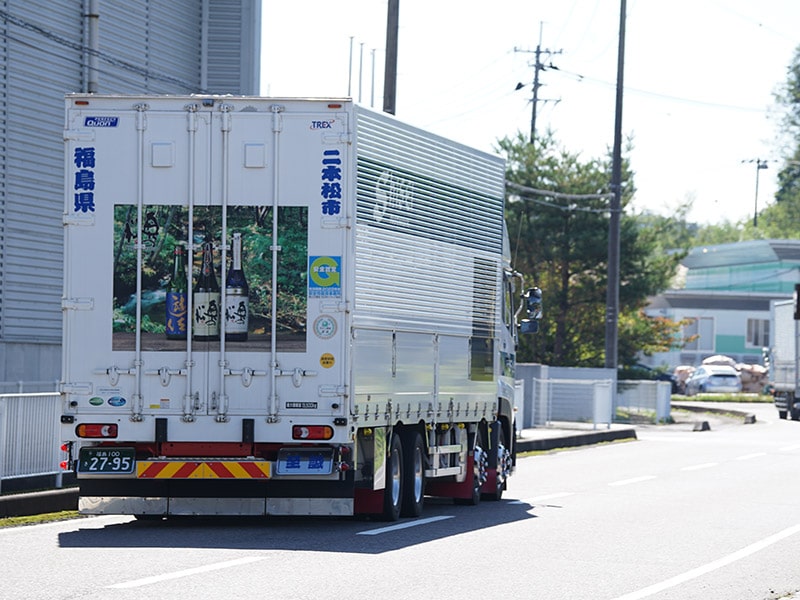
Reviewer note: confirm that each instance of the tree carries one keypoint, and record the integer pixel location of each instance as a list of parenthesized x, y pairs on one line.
[(782, 219), (562, 243)]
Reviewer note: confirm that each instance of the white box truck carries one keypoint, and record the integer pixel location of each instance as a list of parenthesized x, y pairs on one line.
[(282, 307), (782, 359)]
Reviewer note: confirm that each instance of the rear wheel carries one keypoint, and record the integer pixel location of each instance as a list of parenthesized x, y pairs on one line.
[(413, 474), (501, 456), (393, 494), (477, 476)]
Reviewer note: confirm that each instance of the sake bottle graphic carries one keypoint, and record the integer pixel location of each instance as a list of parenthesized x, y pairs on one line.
[(177, 298), (206, 298), (237, 296)]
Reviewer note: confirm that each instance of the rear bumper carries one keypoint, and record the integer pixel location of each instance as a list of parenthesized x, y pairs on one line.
[(246, 497), (176, 506)]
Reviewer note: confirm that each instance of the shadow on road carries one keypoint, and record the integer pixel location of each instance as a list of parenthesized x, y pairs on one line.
[(441, 519)]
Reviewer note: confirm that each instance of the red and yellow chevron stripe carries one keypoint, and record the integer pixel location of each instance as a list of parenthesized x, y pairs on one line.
[(207, 469)]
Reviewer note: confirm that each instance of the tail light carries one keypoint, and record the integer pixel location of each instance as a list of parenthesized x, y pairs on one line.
[(96, 430), (312, 432)]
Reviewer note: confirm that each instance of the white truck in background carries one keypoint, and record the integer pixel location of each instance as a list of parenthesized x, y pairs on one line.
[(782, 359), (352, 352)]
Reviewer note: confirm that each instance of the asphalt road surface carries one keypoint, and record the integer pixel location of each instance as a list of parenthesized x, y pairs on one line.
[(678, 514)]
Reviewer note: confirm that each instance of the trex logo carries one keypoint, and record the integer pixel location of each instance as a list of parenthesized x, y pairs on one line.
[(322, 124)]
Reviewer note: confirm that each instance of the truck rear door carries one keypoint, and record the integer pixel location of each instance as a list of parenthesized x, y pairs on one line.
[(146, 176)]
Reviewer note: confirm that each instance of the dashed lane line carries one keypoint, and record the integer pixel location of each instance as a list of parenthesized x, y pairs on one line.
[(749, 456), (632, 480), (700, 466), (542, 498), (415, 523), (185, 573), (712, 566)]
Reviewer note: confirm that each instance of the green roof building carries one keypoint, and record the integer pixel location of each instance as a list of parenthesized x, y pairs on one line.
[(725, 292)]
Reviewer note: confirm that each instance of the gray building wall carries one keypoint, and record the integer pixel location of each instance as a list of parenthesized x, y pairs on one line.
[(46, 51)]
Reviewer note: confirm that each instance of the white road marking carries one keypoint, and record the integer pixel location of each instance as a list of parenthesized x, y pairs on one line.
[(185, 572), (632, 480), (701, 466), (544, 497), (712, 566), (749, 456), (790, 448), (413, 523)]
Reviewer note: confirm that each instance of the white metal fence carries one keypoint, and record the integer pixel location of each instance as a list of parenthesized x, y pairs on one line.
[(573, 400), (645, 397), (29, 435)]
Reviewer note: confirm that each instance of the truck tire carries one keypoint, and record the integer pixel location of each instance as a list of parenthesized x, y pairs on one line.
[(393, 493), (500, 459), (782, 414), (413, 474), (477, 475)]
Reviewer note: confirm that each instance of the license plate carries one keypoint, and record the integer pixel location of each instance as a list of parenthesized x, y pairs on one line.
[(305, 461), (107, 460)]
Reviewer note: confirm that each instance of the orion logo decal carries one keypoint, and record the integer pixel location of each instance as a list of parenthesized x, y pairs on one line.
[(394, 199)]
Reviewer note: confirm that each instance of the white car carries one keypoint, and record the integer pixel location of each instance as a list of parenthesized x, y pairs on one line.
[(714, 379)]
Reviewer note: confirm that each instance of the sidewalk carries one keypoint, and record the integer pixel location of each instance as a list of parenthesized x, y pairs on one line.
[(571, 435)]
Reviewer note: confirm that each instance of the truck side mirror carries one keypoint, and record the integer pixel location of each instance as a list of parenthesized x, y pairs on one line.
[(533, 302), (533, 306)]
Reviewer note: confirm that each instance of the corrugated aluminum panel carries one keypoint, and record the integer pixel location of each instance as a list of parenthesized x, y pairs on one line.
[(232, 49), (150, 47), (146, 46), (175, 44), (40, 67), (429, 229)]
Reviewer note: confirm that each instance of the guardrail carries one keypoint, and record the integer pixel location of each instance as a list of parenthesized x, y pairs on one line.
[(29, 434)]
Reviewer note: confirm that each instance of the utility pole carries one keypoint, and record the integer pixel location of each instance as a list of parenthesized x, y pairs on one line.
[(612, 295), (760, 164), (537, 67), (390, 73)]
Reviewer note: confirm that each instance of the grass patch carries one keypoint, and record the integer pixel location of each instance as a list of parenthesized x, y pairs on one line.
[(638, 417), (63, 515)]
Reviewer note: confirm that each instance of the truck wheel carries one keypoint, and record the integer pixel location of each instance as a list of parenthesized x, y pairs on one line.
[(501, 456), (393, 493), (477, 476), (413, 474)]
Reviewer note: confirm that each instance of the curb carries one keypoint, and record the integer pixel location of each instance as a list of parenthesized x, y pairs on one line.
[(576, 440), (36, 503), (748, 418)]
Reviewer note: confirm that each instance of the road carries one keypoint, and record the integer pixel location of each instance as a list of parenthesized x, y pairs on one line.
[(676, 515)]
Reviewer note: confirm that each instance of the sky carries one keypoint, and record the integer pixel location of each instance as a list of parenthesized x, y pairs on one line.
[(699, 81)]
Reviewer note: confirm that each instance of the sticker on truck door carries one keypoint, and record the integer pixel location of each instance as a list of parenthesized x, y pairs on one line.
[(324, 276), (177, 273)]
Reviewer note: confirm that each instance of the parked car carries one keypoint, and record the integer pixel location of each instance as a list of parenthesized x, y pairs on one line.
[(714, 379)]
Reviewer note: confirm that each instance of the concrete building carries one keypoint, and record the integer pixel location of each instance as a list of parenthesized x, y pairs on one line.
[(726, 296), (48, 49)]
